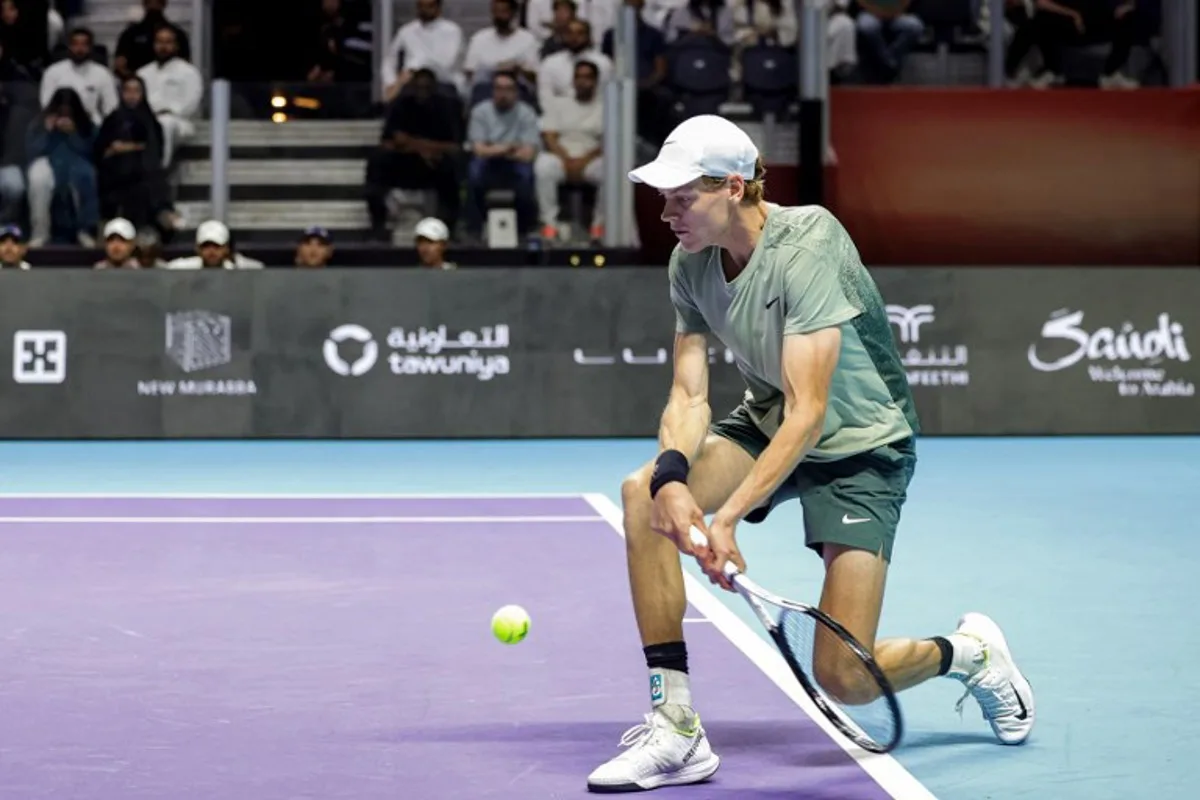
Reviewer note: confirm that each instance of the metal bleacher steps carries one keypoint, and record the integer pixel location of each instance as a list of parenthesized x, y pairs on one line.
[(283, 177)]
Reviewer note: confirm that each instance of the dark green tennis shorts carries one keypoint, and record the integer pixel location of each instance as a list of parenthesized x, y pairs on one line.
[(855, 501)]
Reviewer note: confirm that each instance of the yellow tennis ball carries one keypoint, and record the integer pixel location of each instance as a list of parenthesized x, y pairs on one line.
[(510, 624)]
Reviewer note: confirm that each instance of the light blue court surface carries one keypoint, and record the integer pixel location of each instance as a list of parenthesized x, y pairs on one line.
[(1084, 550)]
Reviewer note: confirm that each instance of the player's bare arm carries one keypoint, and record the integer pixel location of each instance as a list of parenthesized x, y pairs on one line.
[(808, 364), (681, 434), (687, 415)]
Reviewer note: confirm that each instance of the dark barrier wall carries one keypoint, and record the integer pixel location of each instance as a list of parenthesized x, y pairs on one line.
[(532, 353)]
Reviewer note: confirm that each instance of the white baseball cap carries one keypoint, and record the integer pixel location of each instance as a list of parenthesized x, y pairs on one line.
[(704, 145), (120, 227), (212, 232), (433, 229)]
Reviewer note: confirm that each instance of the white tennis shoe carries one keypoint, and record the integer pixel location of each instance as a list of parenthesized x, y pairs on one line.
[(1003, 693), (659, 752)]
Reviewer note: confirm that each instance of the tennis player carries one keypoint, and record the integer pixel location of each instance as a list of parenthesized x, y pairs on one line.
[(827, 418)]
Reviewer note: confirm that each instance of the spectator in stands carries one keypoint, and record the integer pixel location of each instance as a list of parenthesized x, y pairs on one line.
[(706, 19), (135, 48), (563, 12), (432, 237), (128, 155), (12, 248), (420, 148), (504, 47), (556, 76), (59, 144), (26, 53), (545, 18), (174, 90), (766, 21), (119, 244), (15, 116), (503, 136), (214, 250), (841, 42), (91, 80), (428, 42), (315, 249), (573, 138), (148, 249), (654, 97), (888, 32), (1051, 26)]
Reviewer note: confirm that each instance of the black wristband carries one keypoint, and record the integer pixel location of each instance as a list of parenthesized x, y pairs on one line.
[(671, 466)]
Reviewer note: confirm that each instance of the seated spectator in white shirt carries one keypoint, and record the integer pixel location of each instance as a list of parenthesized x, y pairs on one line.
[(135, 48), (556, 77), (92, 81), (765, 21), (174, 90), (504, 47), (564, 12), (428, 42), (704, 18), (541, 16), (214, 250), (573, 138)]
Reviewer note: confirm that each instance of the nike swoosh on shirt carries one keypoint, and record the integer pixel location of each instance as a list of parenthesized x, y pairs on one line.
[(848, 520), (773, 302)]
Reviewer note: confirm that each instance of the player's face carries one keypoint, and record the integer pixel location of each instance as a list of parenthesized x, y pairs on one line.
[(698, 216)]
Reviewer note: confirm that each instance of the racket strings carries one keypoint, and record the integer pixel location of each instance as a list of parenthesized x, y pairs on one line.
[(840, 676)]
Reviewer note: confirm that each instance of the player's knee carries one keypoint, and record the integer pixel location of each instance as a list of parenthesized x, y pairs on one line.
[(845, 680)]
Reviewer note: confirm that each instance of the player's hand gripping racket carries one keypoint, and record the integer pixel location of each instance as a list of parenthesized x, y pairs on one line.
[(857, 697)]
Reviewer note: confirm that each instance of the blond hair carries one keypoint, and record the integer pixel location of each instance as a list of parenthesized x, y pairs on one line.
[(756, 190)]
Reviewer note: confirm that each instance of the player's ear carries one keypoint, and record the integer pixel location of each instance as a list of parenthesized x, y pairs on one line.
[(737, 188)]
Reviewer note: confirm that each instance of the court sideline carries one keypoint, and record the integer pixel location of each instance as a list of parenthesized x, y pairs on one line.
[(1076, 546)]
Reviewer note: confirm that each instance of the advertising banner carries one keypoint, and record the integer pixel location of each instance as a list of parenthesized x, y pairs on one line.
[(496, 353)]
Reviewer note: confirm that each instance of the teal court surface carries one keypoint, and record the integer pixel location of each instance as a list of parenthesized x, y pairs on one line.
[(311, 620)]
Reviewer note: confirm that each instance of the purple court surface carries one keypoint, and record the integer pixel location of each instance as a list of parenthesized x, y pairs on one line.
[(340, 648)]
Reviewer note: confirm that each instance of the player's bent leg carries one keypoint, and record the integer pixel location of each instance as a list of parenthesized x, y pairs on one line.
[(851, 511), (670, 747), (655, 573)]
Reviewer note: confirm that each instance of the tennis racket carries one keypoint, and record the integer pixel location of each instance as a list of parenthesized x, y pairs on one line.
[(858, 698)]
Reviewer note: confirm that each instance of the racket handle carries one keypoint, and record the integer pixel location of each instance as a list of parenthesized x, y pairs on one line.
[(700, 540)]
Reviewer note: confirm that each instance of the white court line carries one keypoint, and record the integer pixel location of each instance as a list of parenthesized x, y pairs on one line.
[(293, 520), (891, 776), (283, 496)]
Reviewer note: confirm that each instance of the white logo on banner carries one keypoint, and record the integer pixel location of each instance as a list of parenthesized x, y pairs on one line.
[(1165, 342), (196, 341), (650, 358), (927, 365), (39, 356), (346, 333), (425, 351)]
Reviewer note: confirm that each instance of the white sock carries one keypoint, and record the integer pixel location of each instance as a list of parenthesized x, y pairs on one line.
[(669, 687), (968, 657)]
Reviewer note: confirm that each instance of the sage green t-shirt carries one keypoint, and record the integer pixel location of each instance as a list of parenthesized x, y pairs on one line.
[(804, 275)]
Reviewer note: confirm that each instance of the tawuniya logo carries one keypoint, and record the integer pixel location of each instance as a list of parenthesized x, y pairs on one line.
[(1165, 342), (423, 351)]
